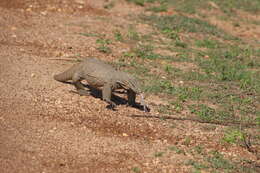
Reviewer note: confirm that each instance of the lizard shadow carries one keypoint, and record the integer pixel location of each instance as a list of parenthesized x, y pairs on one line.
[(97, 93)]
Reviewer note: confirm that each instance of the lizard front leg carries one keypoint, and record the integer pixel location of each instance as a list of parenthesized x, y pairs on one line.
[(79, 86), (131, 95), (106, 94)]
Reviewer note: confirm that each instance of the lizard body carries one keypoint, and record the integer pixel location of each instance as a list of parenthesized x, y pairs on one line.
[(99, 74)]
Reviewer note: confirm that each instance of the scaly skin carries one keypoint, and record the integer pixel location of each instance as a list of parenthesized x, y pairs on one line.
[(99, 74)]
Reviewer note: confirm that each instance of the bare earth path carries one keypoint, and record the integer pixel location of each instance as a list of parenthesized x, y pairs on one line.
[(46, 128)]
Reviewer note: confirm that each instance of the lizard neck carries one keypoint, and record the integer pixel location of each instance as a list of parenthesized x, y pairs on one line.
[(127, 81)]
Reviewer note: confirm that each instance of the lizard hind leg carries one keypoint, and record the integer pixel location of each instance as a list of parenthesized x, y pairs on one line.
[(79, 86), (81, 89)]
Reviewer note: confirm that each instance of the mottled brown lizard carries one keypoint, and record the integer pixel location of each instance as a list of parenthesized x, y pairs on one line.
[(100, 74)]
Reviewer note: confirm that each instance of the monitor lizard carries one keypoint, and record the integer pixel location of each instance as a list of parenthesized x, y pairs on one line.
[(99, 74)]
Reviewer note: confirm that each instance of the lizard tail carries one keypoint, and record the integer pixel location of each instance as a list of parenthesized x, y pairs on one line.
[(67, 75)]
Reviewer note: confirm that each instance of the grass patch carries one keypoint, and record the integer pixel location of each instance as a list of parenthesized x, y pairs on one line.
[(198, 149), (177, 106), (203, 112), (171, 69), (158, 154), (109, 5), (193, 6), (146, 52), (89, 34), (103, 45), (157, 9), (137, 2), (226, 77), (179, 43), (136, 169), (217, 161), (103, 41), (207, 113), (165, 109), (171, 25), (132, 34), (196, 165), (233, 136), (166, 86), (195, 76), (177, 150), (233, 64), (118, 36), (226, 73), (158, 86), (211, 44), (228, 7), (258, 118)]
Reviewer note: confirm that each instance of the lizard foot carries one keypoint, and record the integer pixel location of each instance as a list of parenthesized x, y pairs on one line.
[(111, 105), (83, 92), (131, 104), (146, 108)]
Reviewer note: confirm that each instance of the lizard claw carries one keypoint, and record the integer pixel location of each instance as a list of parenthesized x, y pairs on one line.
[(146, 108), (111, 105)]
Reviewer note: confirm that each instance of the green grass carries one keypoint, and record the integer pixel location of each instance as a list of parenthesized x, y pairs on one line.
[(196, 165), (166, 86), (198, 149), (177, 106), (220, 82), (233, 64), (137, 2), (233, 136), (104, 49), (214, 161), (252, 6), (206, 43), (136, 169), (195, 76), (177, 150), (179, 43), (109, 5), (132, 34), (203, 111), (118, 36), (217, 161), (159, 154), (258, 118), (90, 34), (141, 2), (194, 6), (103, 41), (207, 113), (172, 25), (103, 45), (222, 66), (146, 52), (156, 9)]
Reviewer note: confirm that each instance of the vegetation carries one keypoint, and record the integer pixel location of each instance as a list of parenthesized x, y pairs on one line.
[(217, 77), (225, 68)]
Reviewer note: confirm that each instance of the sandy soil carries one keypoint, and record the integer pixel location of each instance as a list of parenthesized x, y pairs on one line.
[(46, 128)]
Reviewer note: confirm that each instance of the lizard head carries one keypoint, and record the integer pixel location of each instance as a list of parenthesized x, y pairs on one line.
[(128, 82)]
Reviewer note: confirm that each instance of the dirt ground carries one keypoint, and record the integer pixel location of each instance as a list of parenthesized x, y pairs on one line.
[(46, 128)]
